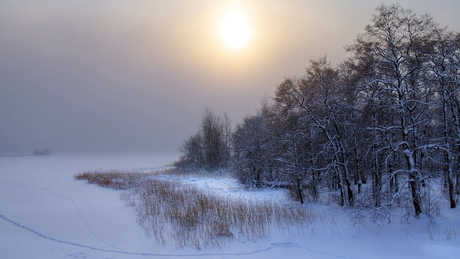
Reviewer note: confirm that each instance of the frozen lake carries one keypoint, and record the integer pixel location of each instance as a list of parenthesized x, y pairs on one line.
[(44, 213)]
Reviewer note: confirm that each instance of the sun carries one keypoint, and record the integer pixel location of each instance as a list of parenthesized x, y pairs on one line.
[(235, 29)]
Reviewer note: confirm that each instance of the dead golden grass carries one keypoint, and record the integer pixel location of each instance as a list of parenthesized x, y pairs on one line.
[(170, 210)]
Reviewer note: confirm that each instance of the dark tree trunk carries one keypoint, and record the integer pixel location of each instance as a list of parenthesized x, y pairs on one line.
[(342, 201), (451, 193), (415, 188), (376, 187), (457, 188), (299, 190), (350, 193)]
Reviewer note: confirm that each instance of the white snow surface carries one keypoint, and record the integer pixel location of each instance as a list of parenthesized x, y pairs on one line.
[(45, 213)]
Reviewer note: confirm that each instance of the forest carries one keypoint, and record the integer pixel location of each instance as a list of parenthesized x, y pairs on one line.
[(380, 130)]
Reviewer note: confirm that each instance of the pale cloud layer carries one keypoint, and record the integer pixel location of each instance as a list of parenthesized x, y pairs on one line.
[(137, 75)]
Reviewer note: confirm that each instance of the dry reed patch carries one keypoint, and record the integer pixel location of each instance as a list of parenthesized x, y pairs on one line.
[(181, 213), (119, 180)]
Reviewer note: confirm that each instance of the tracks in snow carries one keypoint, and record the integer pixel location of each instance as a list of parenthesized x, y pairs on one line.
[(272, 246), (80, 213)]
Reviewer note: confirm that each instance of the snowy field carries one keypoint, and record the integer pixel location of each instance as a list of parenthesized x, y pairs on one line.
[(44, 213)]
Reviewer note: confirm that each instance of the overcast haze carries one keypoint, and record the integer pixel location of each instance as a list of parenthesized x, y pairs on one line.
[(136, 75)]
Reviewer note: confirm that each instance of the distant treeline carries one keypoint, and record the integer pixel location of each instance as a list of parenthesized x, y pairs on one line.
[(380, 129)]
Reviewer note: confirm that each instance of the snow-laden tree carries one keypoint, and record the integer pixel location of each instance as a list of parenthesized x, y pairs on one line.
[(318, 130), (325, 99), (444, 73), (291, 138), (250, 144), (389, 115), (394, 50)]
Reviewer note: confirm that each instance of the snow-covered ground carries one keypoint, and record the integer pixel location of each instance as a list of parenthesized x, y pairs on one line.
[(44, 213)]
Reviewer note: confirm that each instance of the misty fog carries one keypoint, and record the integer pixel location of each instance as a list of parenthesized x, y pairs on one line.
[(128, 76)]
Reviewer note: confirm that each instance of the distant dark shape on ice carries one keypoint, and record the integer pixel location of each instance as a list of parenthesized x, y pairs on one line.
[(43, 152)]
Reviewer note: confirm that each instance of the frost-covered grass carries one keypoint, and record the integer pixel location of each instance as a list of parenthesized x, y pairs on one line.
[(169, 209)]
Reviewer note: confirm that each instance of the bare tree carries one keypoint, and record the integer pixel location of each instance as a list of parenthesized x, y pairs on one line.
[(394, 51), (444, 67), (250, 150), (192, 151), (318, 131), (209, 149), (390, 114), (212, 134)]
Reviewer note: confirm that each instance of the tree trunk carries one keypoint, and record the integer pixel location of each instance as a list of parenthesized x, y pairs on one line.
[(415, 188), (448, 179), (375, 189), (351, 199), (299, 190), (457, 187), (451, 193), (376, 183), (342, 200)]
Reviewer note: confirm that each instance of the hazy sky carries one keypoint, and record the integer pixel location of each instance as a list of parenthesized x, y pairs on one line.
[(136, 75)]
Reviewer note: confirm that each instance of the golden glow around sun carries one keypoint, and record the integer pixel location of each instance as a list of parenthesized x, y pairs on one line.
[(235, 29)]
